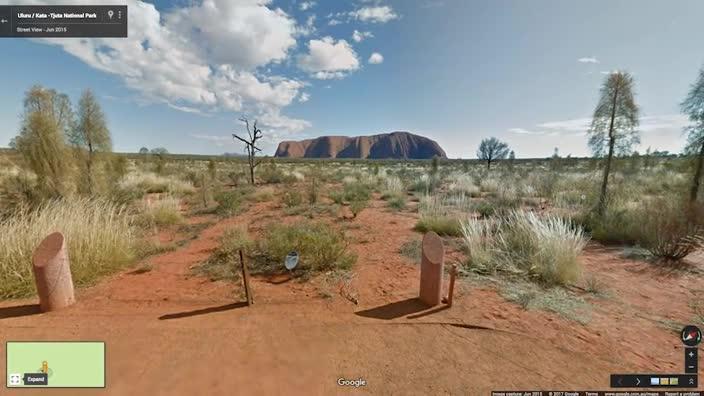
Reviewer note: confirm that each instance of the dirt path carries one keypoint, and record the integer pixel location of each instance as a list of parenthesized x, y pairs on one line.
[(171, 333)]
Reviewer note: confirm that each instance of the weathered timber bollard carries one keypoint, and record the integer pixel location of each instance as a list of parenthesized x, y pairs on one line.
[(431, 269), (52, 273), (245, 279)]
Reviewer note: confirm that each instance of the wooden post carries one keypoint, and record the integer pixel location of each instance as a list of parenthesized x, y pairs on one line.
[(245, 277), (451, 291), (431, 269), (52, 273)]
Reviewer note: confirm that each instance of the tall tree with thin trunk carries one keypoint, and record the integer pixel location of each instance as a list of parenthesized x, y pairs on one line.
[(693, 107), (614, 125), (250, 142), (46, 119), (491, 150), (90, 136)]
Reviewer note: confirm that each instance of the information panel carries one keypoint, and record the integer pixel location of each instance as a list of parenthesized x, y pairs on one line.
[(63, 21)]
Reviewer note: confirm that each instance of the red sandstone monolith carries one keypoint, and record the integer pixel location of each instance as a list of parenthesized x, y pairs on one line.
[(52, 273), (431, 269)]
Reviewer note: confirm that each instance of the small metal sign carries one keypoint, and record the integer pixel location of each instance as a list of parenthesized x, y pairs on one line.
[(291, 261)]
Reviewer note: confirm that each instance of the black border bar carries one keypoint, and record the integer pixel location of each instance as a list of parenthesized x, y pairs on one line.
[(644, 381), (109, 21)]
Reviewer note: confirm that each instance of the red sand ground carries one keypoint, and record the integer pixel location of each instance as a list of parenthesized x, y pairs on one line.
[(171, 333)]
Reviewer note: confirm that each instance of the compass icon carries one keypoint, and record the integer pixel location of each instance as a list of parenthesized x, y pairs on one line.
[(691, 336)]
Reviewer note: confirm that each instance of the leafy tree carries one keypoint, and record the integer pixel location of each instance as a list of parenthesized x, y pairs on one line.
[(90, 136), (46, 119), (491, 150), (13, 143), (159, 151), (613, 129), (693, 107), (144, 150)]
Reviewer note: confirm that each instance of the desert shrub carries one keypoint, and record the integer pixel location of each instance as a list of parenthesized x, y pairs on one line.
[(99, 234), (490, 185), (263, 194), (153, 183), (162, 211), (442, 225), (292, 198), (393, 186), (230, 202), (320, 247), (18, 191), (337, 196), (425, 183), (224, 262), (41, 144), (356, 192), (397, 202), (464, 184), (357, 206), (485, 209), (271, 173), (669, 229), (312, 191), (544, 248)]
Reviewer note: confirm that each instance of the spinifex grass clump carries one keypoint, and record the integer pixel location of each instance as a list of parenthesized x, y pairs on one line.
[(162, 211), (153, 183), (99, 236), (320, 247), (435, 215), (543, 248)]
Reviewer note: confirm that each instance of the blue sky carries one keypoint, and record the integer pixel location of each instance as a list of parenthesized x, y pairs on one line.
[(457, 71)]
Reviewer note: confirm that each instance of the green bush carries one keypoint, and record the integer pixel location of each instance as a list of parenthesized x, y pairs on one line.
[(292, 199), (231, 202), (356, 192), (320, 247), (670, 229), (442, 225), (485, 209), (224, 262), (337, 196), (357, 206), (397, 202)]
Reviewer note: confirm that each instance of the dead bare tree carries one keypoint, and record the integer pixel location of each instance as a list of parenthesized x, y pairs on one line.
[(250, 143)]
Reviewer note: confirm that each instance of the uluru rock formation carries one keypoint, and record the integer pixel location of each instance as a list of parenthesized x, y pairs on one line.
[(386, 145)]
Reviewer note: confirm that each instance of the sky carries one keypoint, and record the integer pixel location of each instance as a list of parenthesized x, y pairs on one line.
[(525, 71)]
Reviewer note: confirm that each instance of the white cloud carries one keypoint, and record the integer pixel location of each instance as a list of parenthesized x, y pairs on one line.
[(334, 22), (358, 36), (308, 28), (374, 14), (327, 58), (376, 58), (588, 60), (305, 96), (521, 131), (219, 141), (306, 5), (207, 56), (580, 126)]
